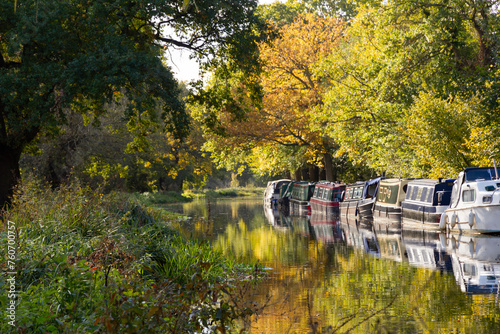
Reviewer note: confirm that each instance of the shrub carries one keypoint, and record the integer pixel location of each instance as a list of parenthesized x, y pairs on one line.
[(88, 262)]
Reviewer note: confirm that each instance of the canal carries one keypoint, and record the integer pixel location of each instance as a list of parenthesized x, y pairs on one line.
[(331, 276)]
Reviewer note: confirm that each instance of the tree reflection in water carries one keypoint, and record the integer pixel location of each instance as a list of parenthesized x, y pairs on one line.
[(328, 276)]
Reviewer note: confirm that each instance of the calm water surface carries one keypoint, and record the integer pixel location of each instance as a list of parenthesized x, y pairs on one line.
[(331, 276)]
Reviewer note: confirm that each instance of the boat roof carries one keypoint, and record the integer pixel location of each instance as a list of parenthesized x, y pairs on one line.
[(394, 180), (429, 182), (329, 184), (375, 180), (357, 184), (303, 183), (278, 181)]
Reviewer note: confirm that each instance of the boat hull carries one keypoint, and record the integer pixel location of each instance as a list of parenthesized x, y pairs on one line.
[(421, 215), (361, 209), (324, 207), (474, 219)]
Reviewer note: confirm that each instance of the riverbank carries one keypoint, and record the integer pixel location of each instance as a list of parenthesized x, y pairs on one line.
[(80, 261), (169, 197)]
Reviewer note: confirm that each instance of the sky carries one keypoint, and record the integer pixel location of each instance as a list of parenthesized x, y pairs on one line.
[(186, 69)]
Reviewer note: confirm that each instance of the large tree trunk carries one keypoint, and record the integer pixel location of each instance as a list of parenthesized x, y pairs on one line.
[(9, 172), (327, 158), (313, 173)]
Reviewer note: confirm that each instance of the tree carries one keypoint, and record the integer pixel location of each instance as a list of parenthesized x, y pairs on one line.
[(400, 61), (82, 54), (283, 119)]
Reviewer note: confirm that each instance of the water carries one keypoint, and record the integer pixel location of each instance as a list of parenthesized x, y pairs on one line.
[(330, 276)]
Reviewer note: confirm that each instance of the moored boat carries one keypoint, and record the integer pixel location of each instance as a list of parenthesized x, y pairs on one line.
[(272, 192), (301, 194), (353, 194), (425, 202), (359, 199), (327, 197), (391, 194), (475, 202)]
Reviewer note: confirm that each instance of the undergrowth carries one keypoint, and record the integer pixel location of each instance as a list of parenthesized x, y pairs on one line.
[(93, 263)]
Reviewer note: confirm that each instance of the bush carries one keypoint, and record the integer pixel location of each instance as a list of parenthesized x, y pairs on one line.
[(87, 262)]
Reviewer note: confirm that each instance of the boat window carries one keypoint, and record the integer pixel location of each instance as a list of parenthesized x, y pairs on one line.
[(489, 188), (469, 195), (419, 193), (430, 196), (326, 192), (408, 194), (320, 193), (424, 194), (479, 174), (425, 258), (469, 269), (316, 192), (414, 193)]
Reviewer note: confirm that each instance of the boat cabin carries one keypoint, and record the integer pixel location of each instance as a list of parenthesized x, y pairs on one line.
[(354, 192), (426, 200), (328, 192), (389, 197), (475, 202)]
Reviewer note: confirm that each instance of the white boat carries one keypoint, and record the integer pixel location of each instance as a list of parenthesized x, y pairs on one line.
[(475, 202), (272, 192)]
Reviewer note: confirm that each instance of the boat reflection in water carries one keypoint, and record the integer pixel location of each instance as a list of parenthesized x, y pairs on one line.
[(361, 236), (326, 228), (426, 249), (476, 262)]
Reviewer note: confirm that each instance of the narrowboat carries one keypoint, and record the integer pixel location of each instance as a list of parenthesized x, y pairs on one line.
[(327, 197), (359, 198), (284, 198), (353, 194), (272, 192), (390, 195), (425, 202), (301, 194), (475, 202)]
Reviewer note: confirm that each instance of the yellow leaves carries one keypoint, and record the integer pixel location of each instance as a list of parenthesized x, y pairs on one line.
[(99, 167)]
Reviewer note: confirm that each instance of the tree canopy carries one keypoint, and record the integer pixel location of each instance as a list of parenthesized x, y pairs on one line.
[(82, 55), (408, 88)]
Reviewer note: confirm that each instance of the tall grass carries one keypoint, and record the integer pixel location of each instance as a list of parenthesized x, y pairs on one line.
[(88, 262)]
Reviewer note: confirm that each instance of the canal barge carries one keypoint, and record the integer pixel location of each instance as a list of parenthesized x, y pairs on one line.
[(425, 202), (359, 199), (391, 194), (475, 202), (302, 192), (327, 197)]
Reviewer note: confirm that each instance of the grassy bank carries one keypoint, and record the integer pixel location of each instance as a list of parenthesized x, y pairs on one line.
[(168, 197), (85, 262)]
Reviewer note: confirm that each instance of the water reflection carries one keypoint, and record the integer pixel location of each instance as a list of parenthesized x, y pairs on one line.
[(330, 275)]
